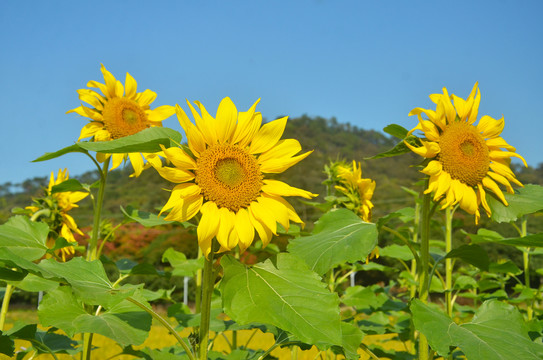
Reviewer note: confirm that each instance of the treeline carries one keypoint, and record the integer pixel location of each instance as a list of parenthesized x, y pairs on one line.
[(329, 140)]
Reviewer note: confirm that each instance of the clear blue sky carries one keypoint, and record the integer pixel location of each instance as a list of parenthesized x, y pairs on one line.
[(364, 62)]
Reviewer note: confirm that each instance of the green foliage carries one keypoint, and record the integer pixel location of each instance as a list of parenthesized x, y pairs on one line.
[(497, 331), (277, 293), (339, 236)]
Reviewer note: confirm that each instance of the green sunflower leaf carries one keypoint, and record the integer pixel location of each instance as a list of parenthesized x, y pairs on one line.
[(52, 155), (24, 238), (526, 200), (124, 322), (396, 130), (68, 185), (497, 331), (89, 281), (181, 265), (283, 293), (487, 236), (147, 141), (339, 236), (399, 149)]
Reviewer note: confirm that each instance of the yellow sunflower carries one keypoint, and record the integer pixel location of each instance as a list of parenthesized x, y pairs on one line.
[(118, 112), (464, 159), (359, 190), (223, 176), (55, 209)]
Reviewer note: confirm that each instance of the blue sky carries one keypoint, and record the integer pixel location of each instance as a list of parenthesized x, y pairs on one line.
[(364, 62)]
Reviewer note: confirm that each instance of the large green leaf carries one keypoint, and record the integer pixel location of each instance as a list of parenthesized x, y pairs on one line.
[(399, 149), (284, 293), (339, 236), (33, 283), (89, 281), (526, 200), (396, 130), (24, 238), (472, 254), (68, 149), (125, 322), (497, 331), (148, 141)]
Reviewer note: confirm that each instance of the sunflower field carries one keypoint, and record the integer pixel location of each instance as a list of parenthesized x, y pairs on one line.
[(259, 267)]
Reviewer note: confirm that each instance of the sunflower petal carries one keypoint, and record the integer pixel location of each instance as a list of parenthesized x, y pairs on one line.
[(208, 226), (279, 188), (244, 228), (90, 129), (179, 158), (268, 135), (131, 87), (185, 209), (281, 164), (489, 127), (225, 120), (174, 175), (136, 160), (194, 136), (160, 113), (247, 126)]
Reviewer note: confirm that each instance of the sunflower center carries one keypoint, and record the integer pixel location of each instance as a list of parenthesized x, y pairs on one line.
[(464, 153), (123, 117), (229, 176)]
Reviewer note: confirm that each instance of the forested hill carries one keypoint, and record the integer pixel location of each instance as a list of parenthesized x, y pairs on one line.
[(328, 139)]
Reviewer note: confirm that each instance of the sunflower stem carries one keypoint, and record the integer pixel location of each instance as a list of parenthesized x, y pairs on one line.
[(5, 305), (93, 242), (448, 261), (208, 283), (526, 261), (91, 253), (423, 269)]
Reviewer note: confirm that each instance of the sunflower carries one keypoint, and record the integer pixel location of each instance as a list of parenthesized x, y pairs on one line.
[(222, 176), (358, 190), (118, 112), (53, 210), (464, 159)]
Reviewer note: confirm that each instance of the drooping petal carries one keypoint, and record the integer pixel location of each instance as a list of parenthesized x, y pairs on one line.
[(499, 155), (244, 229), (208, 226), (116, 161), (428, 149), (180, 192), (137, 163), (264, 215), (490, 184), (433, 168), (174, 175), (179, 158), (90, 129), (185, 209), (263, 231), (226, 220), (277, 209)]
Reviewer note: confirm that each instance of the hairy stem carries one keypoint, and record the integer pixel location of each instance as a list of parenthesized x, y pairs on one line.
[(208, 283)]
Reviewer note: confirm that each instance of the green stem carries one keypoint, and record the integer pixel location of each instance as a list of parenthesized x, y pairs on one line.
[(165, 324), (369, 352), (414, 262), (5, 305), (448, 262), (423, 269), (92, 253), (526, 260), (208, 283)]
